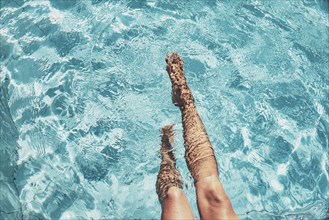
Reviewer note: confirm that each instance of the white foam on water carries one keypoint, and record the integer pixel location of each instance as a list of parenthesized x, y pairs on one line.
[(283, 123), (68, 215), (56, 16), (324, 165), (282, 169), (245, 136), (276, 185)]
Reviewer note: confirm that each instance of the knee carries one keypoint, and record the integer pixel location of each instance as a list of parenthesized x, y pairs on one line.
[(174, 193), (216, 196), (213, 194), (212, 199)]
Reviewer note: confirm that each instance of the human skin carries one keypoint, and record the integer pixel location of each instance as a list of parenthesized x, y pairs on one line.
[(169, 183), (212, 201)]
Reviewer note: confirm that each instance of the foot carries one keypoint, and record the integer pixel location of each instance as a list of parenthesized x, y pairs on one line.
[(168, 175), (181, 94)]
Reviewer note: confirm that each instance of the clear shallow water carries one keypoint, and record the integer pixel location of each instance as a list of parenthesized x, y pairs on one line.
[(84, 93)]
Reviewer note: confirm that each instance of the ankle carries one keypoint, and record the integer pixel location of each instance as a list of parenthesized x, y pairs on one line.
[(182, 96)]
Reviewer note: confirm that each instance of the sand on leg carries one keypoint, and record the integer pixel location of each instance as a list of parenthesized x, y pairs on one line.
[(212, 200), (169, 183)]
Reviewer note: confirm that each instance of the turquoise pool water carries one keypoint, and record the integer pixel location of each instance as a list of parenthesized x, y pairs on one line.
[(84, 93)]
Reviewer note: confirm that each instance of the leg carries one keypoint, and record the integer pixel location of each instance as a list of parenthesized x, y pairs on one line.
[(174, 203), (199, 154)]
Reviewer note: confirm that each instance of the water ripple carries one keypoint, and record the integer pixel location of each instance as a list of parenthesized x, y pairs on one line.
[(88, 93)]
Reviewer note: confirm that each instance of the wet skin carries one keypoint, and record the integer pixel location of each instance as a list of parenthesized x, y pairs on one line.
[(212, 200)]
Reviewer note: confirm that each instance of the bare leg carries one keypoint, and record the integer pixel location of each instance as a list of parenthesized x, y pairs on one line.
[(213, 202), (169, 183)]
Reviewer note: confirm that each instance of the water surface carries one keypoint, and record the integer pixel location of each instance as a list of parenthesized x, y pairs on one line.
[(84, 93)]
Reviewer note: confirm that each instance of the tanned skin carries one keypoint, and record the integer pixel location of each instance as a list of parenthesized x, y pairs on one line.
[(212, 200)]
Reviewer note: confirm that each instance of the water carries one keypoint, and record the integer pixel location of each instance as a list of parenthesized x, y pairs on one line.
[(84, 93)]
